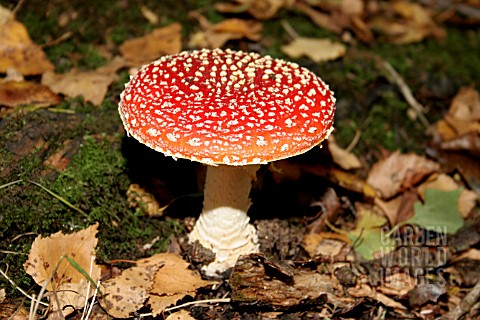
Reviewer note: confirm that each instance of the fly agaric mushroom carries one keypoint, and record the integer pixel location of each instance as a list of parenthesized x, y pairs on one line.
[(231, 110)]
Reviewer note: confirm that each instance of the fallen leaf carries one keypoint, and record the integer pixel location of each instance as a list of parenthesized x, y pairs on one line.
[(216, 35), (467, 199), (466, 105), (426, 292), (45, 263), (159, 42), (159, 303), (399, 172), (413, 24), (318, 50), (321, 19), (70, 297), (14, 94), (363, 290), (139, 198), (172, 282), (180, 315), (345, 159), (127, 293), (2, 295), (399, 208), (439, 211), (91, 85), (17, 50), (351, 182), (324, 243), (259, 9), (44, 259), (368, 239), (397, 284), (352, 7)]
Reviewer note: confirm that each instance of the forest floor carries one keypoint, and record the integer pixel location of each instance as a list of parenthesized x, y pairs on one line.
[(382, 222)]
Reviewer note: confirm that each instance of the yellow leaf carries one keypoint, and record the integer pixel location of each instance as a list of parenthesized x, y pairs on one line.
[(172, 282), (17, 50), (46, 253), (128, 292), (91, 85), (316, 49), (159, 42), (13, 94), (216, 35), (345, 159)]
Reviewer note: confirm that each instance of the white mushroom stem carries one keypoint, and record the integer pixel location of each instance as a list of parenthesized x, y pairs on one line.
[(223, 226)]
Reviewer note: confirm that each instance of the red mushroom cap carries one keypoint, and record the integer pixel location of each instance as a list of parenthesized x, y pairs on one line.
[(227, 107)]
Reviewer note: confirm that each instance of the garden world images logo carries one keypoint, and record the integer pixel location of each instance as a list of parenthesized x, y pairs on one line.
[(414, 251)]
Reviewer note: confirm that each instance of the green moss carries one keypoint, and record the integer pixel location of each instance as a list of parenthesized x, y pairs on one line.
[(95, 180)]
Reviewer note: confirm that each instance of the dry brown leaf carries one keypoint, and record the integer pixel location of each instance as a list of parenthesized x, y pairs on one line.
[(316, 49), (17, 50), (345, 159), (2, 295), (216, 35), (397, 284), (71, 297), (70, 285), (398, 172), (363, 291), (159, 303), (180, 315), (321, 19), (466, 105), (471, 254), (46, 253), (91, 85), (128, 292), (463, 116), (351, 182), (352, 7), (159, 42), (414, 25), (139, 197), (467, 200), (175, 277), (172, 282), (16, 93), (259, 9), (325, 243)]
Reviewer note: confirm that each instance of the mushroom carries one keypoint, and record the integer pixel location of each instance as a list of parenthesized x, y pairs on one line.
[(233, 111)]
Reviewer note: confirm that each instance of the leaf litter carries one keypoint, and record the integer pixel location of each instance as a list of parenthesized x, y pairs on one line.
[(400, 192), (158, 281)]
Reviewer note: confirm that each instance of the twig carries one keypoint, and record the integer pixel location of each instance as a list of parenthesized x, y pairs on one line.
[(466, 304), (223, 300), (405, 90), (58, 40), (289, 29), (18, 6), (353, 143), (21, 290)]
